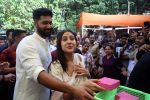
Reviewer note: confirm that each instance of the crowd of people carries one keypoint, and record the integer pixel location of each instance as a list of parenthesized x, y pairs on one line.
[(32, 68)]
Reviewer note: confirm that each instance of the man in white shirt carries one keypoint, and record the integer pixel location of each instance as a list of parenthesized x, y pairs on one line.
[(32, 60)]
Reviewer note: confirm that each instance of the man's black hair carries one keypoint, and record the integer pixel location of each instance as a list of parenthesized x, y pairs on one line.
[(2, 38), (8, 32), (124, 35), (41, 12), (147, 24), (18, 32)]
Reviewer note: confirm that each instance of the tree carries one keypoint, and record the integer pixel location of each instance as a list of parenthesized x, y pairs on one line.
[(18, 13)]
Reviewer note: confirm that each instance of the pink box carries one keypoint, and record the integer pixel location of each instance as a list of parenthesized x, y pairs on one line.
[(125, 96), (108, 83)]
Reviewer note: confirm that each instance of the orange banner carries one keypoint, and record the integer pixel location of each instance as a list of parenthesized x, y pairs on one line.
[(112, 20)]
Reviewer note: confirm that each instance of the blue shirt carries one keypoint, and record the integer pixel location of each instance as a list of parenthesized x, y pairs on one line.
[(3, 47)]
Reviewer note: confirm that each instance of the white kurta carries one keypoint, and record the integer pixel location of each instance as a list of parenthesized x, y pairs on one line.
[(32, 57)]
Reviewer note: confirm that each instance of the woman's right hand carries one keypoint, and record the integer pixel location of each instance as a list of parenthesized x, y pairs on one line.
[(81, 71)]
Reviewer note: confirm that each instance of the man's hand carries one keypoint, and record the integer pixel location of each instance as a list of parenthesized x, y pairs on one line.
[(144, 47), (3, 66), (83, 93), (92, 85), (10, 78), (124, 73), (87, 90)]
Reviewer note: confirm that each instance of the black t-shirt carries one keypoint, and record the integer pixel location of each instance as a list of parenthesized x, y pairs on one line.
[(140, 54), (140, 76)]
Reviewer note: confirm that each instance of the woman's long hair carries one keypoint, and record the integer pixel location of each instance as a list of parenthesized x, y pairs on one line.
[(60, 52)]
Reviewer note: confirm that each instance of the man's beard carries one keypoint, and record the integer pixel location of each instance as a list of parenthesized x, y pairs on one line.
[(44, 33), (92, 42)]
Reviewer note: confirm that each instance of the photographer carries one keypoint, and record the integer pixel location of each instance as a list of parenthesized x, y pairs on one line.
[(146, 47), (139, 77)]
